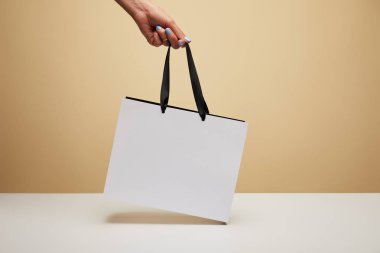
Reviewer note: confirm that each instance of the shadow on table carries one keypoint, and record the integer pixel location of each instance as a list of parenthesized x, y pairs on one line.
[(159, 217)]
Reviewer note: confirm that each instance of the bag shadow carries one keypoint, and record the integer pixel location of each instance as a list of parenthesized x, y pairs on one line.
[(159, 217)]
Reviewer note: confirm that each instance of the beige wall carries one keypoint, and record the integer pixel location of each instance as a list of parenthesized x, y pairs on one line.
[(304, 74)]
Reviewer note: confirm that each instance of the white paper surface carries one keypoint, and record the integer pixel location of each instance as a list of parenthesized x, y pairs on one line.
[(175, 161)]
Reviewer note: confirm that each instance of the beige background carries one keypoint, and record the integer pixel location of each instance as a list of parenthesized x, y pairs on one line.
[(304, 74)]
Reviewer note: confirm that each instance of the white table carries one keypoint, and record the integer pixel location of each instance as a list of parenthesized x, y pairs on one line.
[(259, 223)]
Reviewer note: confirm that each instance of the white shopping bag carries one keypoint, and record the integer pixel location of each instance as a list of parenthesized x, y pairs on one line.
[(176, 160)]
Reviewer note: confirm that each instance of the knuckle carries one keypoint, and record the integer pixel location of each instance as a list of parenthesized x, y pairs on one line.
[(152, 41)]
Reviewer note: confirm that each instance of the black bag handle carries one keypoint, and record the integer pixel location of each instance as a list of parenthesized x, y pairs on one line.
[(197, 90)]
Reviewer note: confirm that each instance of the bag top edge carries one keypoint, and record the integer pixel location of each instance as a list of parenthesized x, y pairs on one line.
[(180, 108)]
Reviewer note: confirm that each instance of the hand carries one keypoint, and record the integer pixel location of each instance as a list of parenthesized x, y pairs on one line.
[(157, 27)]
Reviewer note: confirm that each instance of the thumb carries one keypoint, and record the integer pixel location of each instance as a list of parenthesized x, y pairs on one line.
[(150, 34)]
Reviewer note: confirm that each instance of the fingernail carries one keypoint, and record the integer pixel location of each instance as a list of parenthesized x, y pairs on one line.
[(181, 43), (187, 39), (168, 31), (158, 28)]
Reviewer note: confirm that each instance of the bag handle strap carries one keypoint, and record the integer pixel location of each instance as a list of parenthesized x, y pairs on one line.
[(197, 90)]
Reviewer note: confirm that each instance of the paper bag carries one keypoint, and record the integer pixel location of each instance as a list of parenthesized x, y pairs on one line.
[(176, 159)]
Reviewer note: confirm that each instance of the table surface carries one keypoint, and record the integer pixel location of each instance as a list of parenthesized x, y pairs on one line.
[(259, 223)]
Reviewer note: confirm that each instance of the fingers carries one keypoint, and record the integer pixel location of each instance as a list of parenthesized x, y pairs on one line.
[(161, 33), (172, 38), (151, 36), (176, 38), (156, 41), (178, 32), (187, 39)]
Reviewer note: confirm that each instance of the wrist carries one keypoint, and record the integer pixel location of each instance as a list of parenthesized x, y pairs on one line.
[(134, 7)]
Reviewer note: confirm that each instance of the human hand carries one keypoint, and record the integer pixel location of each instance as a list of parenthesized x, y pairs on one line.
[(157, 26)]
